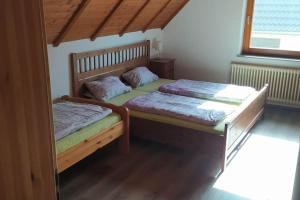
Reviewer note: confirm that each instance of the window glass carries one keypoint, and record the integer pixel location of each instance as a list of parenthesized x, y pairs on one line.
[(276, 25)]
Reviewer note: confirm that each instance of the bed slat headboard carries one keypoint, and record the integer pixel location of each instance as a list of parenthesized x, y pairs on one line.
[(92, 65)]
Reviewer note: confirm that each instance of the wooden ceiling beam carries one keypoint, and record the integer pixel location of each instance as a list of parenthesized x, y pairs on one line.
[(156, 15), (174, 14), (133, 18), (112, 11), (71, 22)]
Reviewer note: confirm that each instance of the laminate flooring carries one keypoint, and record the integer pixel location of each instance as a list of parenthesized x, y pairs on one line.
[(264, 168)]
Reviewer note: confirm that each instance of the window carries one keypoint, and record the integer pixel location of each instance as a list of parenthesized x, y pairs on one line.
[(272, 28)]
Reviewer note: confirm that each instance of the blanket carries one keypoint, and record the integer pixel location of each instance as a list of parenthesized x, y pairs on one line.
[(181, 107), (69, 117), (207, 90)]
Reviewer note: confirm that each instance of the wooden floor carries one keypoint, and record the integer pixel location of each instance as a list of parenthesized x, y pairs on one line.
[(154, 171)]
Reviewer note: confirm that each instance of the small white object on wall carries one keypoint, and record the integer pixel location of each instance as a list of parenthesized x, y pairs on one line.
[(155, 47)]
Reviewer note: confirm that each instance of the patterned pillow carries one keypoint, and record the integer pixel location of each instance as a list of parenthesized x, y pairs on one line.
[(107, 88), (139, 76)]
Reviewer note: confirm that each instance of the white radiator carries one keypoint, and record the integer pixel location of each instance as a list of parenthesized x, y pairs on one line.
[(284, 82)]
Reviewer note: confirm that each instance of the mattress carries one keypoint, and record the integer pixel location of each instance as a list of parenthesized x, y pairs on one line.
[(86, 132), (217, 129), (181, 107), (122, 99), (208, 90), (154, 85)]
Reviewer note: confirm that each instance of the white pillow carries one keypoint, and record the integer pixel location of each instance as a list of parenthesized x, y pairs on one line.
[(139, 76), (107, 88)]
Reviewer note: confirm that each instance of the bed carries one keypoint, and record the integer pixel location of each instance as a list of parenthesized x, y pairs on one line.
[(83, 142), (224, 138)]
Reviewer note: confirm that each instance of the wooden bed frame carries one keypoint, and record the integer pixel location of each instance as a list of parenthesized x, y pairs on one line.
[(89, 66), (119, 130)]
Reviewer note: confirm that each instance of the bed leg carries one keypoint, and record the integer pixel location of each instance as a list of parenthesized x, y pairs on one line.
[(223, 164), (262, 116), (124, 140), (124, 144), (224, 156)]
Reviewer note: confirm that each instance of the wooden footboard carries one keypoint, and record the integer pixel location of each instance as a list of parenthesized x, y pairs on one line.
[(83, 149), (239, 125)]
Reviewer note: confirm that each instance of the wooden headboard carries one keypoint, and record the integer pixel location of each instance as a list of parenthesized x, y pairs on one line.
[(93, 65)]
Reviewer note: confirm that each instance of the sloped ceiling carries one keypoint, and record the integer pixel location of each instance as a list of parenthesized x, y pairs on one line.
[(68, 20)]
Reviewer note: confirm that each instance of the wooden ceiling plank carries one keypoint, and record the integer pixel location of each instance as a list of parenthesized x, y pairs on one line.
[(71, 22), (156, 15), (174, 14), (134, 17), (113, 10)]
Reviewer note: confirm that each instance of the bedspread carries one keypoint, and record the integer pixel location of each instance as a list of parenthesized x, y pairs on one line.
[(208, 90), (181, 107), (69, 117)]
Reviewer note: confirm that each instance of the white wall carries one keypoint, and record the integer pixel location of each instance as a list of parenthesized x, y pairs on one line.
[(206, 36), (59, 57)]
